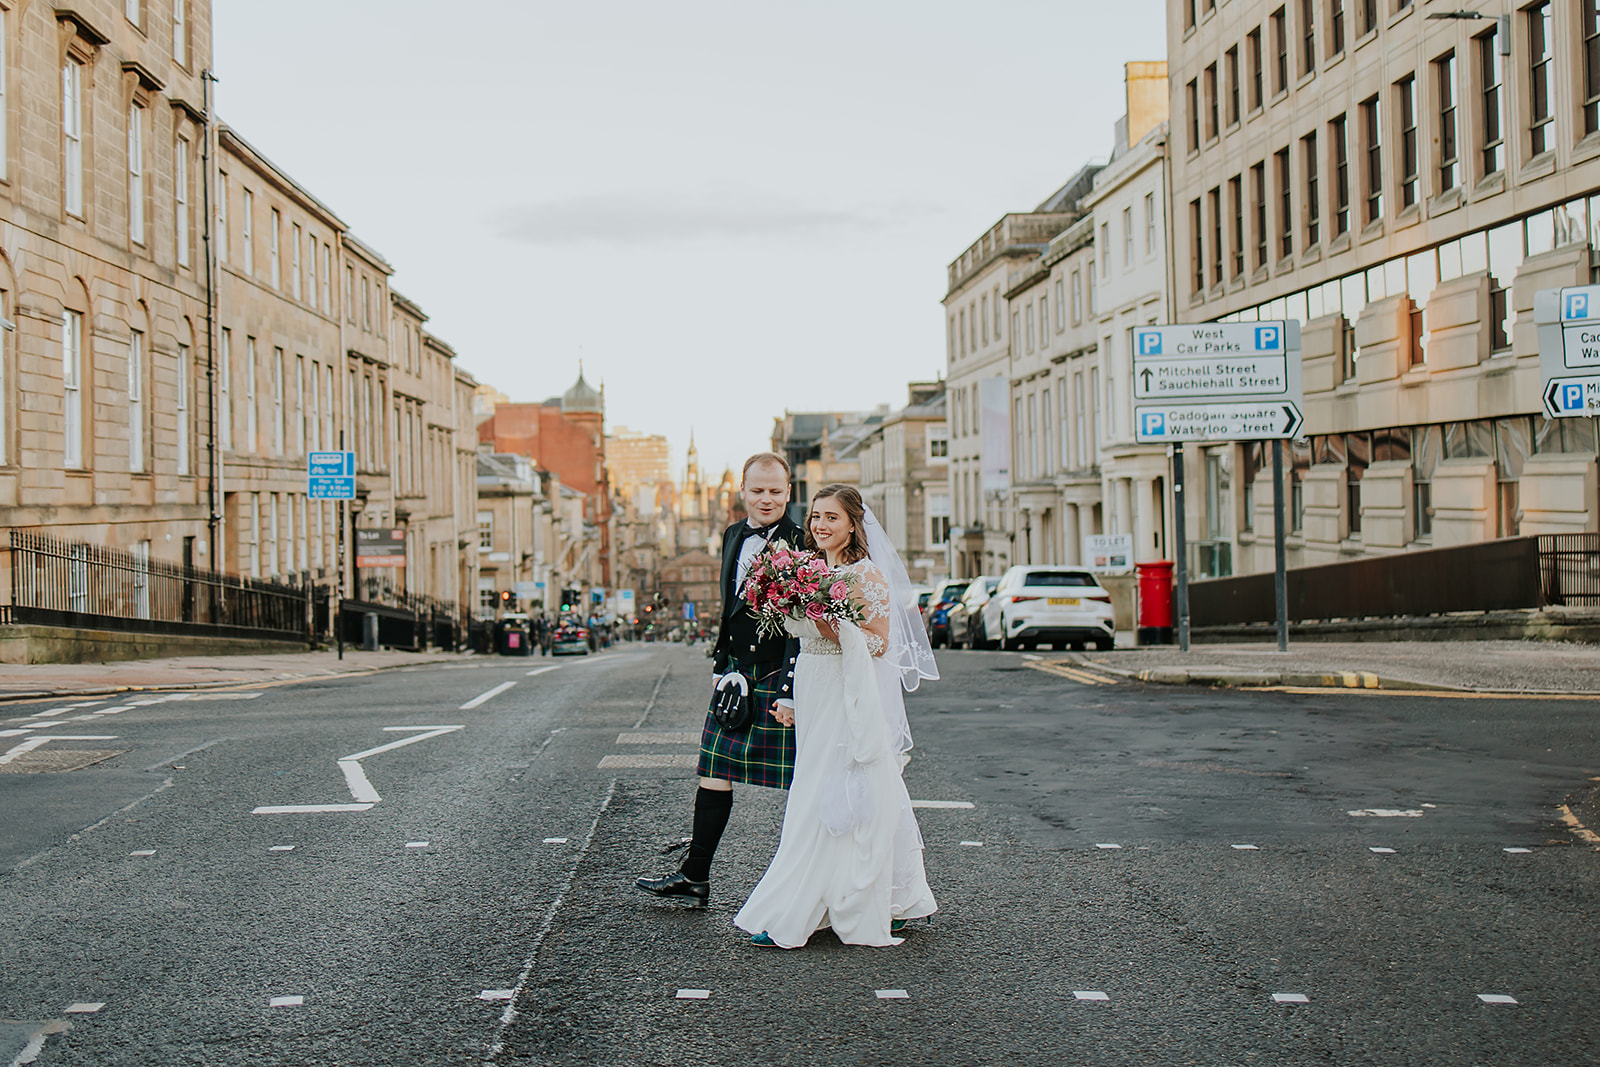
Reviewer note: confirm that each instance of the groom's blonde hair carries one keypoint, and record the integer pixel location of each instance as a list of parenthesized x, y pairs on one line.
[(765, 457)]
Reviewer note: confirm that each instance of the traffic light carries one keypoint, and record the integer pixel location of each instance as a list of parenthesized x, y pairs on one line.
[(505, 598)]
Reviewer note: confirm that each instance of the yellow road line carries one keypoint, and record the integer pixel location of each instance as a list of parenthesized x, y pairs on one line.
[(1435, 693), (1062, 670)]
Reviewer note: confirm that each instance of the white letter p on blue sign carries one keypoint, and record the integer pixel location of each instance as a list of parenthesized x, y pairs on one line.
[(1269, 338), (1577, 306), (1155, 423), (1149, 342), (1572, 397)]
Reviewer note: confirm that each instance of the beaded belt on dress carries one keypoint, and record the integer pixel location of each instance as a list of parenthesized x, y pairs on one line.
[(819, 646)]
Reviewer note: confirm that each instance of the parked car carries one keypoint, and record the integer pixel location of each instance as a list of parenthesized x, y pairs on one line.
[(1060, 606), (569, 637), (966, 617), (936, 613), (513, 635)]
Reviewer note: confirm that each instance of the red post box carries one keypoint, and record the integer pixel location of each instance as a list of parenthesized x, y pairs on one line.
[(1155, 601)]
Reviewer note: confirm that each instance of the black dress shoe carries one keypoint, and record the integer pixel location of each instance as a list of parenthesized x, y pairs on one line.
[(676, 885)]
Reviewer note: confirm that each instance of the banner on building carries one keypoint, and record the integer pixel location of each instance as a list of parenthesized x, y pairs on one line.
[(381, 548), (994, 395)]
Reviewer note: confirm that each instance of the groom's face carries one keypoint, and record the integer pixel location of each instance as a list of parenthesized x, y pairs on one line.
[(766, 493)]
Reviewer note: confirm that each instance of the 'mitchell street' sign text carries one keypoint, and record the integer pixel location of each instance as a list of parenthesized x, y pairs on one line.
[(1236, 381)]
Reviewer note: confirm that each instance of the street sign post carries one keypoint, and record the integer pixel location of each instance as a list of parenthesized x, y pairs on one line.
[(1221, 381), (331, 475)]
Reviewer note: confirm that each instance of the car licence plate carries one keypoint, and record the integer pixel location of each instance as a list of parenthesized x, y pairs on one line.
[(1064, 601)]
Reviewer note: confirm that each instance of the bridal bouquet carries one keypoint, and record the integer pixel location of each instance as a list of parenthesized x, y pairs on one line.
[(790, 583)]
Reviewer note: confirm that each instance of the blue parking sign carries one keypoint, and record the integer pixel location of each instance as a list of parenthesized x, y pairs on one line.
[(1153, 423), (1576, 306), (1269, 338), (1149, 342), (1572, 397)]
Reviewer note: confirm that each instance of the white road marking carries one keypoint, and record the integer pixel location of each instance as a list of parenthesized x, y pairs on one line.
[(20, 731), (47, 724), (545, 670), (85, 1007), (694, 994), (1107, 845), (941, 804), (295, 809), (143, 852), (1090, 994), (1386, 813), (497, 994), (609, 763), (1247, 848), (555, 840), (1290, 998), (1496, 998), (416, 844), (1031, 656), (489, 695), (286, 1002), (356, 779), (892, 994), (281, 848), (973, 844), (360, 788), (675, 737), (1380, 849), (34, 742), (1517, 850)]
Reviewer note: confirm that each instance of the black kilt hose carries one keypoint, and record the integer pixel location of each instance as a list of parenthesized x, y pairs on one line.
[(761, 753)]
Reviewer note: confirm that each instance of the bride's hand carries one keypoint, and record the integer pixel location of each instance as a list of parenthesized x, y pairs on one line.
[(800, 628), (783, 711)]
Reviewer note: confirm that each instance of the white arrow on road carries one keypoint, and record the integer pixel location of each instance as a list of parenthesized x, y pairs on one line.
[(356, 778)]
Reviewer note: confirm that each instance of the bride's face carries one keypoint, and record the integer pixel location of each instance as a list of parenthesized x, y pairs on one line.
[(830, 526)]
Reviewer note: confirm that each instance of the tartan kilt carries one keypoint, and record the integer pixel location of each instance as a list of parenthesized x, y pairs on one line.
[(763, 752)]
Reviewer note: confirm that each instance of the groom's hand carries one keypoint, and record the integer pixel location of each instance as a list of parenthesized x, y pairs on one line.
[(783, 711)]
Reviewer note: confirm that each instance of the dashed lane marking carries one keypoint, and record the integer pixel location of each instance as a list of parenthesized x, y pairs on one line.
[(1107, 845), (361, 789), (555, 840), (892, 994), (281, 848), (416, 844), (497, 994), (545, 670), (85, 1007), (1517, 850), (1497, 998), (1381, 850), (297, 809), (1248, 848), (1386, 813), (694, 994), (1290, 998), (286, 1002), (973, 844), (486, 696), (1090, 994), (670, 737), (960, 804), (610, 763), (143, 852)]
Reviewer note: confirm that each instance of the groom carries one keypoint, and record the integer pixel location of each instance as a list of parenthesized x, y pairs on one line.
[(763, 752)]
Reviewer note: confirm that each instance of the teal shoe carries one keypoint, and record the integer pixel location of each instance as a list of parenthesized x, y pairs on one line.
[(897, 925), (764, 940)]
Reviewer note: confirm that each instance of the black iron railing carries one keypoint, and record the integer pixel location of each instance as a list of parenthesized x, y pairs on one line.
[(1569, 569), (63, 583)]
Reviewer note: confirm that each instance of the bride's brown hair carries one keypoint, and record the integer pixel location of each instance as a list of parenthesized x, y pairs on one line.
[(849, 498)]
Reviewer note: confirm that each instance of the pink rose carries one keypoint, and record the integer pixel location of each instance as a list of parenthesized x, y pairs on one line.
[(815, 612), (839, 590)]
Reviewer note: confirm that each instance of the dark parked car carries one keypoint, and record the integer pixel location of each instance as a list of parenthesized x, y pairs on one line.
[(966, 618), (936, 612)]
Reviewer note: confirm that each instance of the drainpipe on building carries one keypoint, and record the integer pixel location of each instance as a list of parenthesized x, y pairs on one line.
[(213, 460)]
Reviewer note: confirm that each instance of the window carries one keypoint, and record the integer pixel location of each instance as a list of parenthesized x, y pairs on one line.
[(1127, 237), (1193, 95), (300, 404), (5, 35), (1216, 235), (180, 32), (1028, 325), (1308, 36), (180, 198), (1348, 355), (1444, 75), (1082, 424), (251, 440), (349, 288), (1358, 452), (1197, 246), (1374, 149), (1016, 327), (983, 314), (136, 174), (1105, 249), (1406, 100), (1188, 14), (1230, 60), (294, 259), (72, 389), (961, 329), (1258, 200), (136, 402), (185, 377), (1044, 321), (1338, 129), (1094, 399), (225, 389), (1369, 16), (938, 519), (1591, 66), (1491, 75), (1061, 309), (222, 216), (1280, 51), (1149, 224), (72, 136), (247, 210), (1208, 82), (327, 279), (131, 9), (972, 325), (1285, 205), (938, 443), (1077, 298), (1252, 43), (274, 258), (1426, 448), (366, 303), (1308, 155), (1335, 27), (1236, 206), (1541, 120)]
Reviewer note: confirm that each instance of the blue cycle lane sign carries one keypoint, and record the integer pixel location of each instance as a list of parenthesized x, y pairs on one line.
[(1568, 324), (1237, 381), (331, 475)]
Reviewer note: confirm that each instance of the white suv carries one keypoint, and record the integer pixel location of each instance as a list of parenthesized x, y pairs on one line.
[(1050, 605)]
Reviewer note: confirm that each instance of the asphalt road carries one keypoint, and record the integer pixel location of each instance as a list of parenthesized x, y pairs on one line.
[(1142, 875)]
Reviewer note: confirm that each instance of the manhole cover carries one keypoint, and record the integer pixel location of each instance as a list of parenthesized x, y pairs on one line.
[(56, 760)]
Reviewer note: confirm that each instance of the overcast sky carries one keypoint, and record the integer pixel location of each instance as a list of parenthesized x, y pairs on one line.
[(725, 209)]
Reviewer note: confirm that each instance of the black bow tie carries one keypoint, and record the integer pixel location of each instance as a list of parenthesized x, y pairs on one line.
[(763, 532)]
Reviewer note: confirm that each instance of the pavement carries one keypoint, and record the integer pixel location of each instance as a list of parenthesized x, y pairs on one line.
[(1451, 666)]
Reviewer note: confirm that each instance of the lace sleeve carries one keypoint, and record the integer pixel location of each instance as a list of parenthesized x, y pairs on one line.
[(872, 593)]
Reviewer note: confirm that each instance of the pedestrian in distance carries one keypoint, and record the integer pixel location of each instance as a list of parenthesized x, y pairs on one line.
[(761, 752), (850, 855)]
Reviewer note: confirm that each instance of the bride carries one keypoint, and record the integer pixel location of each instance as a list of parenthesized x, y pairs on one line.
[(850, 856)]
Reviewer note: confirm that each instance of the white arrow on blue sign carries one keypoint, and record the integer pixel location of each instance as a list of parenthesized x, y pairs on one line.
[(331, 475), (1566, 398)]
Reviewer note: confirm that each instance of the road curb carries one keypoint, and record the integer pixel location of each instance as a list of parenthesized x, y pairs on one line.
[(1233, 678), (179, 687)]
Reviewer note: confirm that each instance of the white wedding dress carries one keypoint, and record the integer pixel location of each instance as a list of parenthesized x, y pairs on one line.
[(850, 856)]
